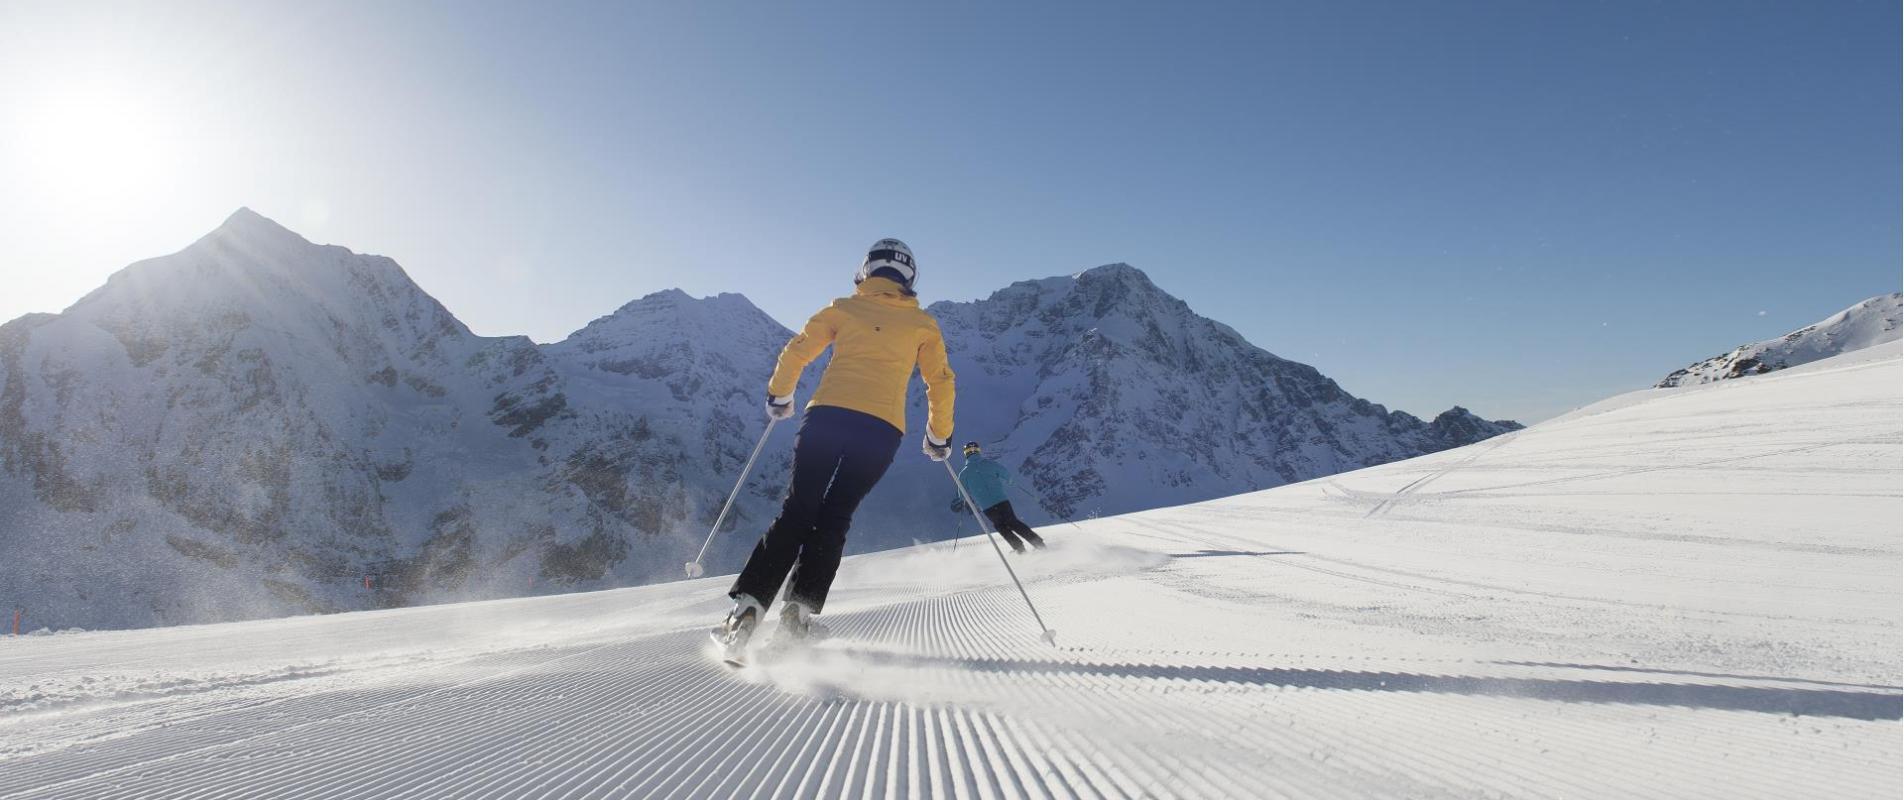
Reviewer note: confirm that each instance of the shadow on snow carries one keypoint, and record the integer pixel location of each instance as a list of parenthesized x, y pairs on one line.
[(1769, 700), (1222, 553)]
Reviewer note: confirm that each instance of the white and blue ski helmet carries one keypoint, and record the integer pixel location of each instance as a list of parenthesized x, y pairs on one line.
[(890, 254)]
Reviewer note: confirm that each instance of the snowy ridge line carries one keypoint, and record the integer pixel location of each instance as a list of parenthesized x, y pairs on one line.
[(1876, 357), (1872, 322)]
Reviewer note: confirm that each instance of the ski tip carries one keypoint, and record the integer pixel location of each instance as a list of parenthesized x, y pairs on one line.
[(719, 650)]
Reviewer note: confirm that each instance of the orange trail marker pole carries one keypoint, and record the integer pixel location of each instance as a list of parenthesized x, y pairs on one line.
[(16, 621)]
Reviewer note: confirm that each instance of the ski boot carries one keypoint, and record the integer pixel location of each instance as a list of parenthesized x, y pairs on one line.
[(797, 628), (732, 634)]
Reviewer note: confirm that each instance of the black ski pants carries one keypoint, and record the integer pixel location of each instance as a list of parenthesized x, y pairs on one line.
[(1006, 522), (838, 457)]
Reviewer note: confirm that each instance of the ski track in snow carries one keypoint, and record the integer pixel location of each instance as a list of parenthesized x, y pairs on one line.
[(1687, 593)]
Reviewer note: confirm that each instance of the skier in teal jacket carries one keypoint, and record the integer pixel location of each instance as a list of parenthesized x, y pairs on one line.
[(985, 480)]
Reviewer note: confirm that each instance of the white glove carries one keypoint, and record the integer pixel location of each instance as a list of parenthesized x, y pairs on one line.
[(780, 408), (937, 450)]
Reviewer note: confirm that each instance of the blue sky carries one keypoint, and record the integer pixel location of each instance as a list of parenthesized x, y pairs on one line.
[(1518, 207)]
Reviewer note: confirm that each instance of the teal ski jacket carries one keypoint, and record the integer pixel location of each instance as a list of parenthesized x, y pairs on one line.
[(985, 480)]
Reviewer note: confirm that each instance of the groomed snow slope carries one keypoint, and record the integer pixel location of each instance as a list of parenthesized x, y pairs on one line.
[(1690, 592)]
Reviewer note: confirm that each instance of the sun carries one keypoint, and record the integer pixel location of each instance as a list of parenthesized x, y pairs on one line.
[(94, 143)]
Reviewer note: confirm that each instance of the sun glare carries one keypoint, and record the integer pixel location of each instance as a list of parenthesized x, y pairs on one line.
[(96, 144)]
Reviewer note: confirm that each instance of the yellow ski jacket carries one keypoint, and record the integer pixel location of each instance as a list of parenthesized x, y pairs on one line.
[(878, 335)]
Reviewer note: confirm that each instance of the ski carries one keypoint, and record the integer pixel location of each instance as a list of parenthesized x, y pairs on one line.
[(733, 654)]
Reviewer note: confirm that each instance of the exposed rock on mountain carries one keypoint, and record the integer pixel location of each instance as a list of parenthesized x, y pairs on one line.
[(1874, 321)]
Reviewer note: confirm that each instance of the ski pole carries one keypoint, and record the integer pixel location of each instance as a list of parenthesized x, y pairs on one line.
[(1041, 506), (694, 568), (1047, 634)]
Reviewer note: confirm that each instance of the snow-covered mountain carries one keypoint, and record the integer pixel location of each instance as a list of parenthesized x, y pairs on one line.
[(258, 425), (1874, 321), (1107, 395), (255, 425)]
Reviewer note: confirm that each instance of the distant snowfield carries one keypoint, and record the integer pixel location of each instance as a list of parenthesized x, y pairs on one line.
[(1686, 592)]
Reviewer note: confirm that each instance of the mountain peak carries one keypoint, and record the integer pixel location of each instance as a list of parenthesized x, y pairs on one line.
[(671, 312), (1122, 280), (1114, 271), (678, 301), (251, 226), (666, 298)]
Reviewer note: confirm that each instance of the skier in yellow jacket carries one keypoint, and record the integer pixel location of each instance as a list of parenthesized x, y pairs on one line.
[(848, 437)]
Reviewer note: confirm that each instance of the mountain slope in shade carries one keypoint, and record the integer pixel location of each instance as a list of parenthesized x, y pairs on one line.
[(258, 425), (1107, 394), (1874, 321)]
